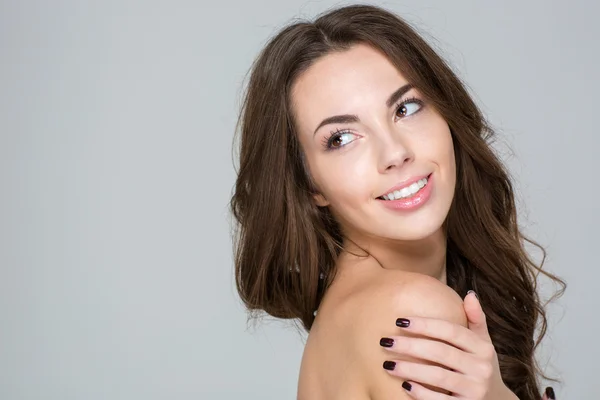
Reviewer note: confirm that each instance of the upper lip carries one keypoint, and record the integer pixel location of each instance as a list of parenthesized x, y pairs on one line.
[(405, 183)]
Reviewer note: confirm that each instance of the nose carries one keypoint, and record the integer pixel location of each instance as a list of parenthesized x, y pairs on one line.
[(395, 151)]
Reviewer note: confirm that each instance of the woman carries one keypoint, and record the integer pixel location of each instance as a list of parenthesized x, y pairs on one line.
[(369, 203)]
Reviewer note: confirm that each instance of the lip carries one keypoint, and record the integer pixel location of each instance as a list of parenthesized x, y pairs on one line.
[(414, 202), (406, 183)]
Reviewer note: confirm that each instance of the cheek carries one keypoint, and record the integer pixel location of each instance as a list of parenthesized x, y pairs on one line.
[(345, 179), (447, 162), (438, 144)]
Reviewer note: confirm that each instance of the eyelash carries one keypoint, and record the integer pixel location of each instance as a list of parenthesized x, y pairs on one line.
[(327, 141)]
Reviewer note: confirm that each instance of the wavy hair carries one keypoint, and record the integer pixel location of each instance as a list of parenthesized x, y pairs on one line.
[(285, 247)]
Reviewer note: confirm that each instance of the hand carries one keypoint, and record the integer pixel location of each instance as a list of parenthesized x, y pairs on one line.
[(470, 364)]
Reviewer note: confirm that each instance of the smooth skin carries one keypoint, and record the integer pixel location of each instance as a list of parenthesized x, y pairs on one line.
[(446, 352), (468, 362), (343, 358)]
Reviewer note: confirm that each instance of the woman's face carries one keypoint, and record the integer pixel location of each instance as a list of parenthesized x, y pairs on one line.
[(376, 147)]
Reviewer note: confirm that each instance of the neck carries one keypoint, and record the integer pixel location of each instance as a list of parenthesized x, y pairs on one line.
[(426, 256)]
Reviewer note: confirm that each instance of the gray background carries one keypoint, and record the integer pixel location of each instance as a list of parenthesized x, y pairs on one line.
[(116, 126)]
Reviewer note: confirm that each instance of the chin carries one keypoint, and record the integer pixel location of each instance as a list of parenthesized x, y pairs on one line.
[(422, 224), (416, 233)]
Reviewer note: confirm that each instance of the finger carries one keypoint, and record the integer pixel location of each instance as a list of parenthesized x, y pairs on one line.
[(430, 350), (476, 316), (454, 334), (428, 374), (420, 392), (549, 394)]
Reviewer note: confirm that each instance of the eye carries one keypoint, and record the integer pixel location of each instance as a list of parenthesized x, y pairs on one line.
[(409, 107), (336, 140)]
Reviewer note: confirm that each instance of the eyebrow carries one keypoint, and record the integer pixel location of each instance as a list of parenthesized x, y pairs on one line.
[(351, 118)]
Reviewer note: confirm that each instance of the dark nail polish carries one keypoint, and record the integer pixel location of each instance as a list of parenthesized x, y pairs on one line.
[(474, 293), (550, 393), (406, 385), (389, 365), (386, 342), (402, 322)]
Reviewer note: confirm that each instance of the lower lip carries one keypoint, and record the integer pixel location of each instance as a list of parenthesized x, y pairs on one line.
[(413, 202)]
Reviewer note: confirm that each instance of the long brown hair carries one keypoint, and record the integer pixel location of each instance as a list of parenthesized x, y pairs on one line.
[(286, 247)]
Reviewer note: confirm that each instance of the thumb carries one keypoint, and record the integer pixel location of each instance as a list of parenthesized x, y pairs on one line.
[(475, 315)]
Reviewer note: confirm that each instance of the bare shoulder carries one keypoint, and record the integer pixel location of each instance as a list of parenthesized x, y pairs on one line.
[(374, 308), (359, 309), (394, 291)]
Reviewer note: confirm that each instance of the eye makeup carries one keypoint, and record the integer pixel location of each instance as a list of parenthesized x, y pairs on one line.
[(338, 133)]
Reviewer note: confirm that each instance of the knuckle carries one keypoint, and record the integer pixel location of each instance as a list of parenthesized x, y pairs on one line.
[(443, 352), (486, 371), (443, 377), (489, 351), (424, 325), (453, 331), (409, 346)]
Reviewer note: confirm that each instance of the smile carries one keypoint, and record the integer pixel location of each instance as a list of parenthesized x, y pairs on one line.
[(406, 192)]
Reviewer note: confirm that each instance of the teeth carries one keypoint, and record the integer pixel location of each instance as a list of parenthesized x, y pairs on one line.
[(407, 191)]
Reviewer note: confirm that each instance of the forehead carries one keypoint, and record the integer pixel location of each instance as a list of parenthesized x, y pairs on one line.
[(344, 82)]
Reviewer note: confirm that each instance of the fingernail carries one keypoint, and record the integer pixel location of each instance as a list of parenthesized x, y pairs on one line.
[(550, 393), (389, 365), (386, 342), (406, 385), (402, 322), (473, 293)]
